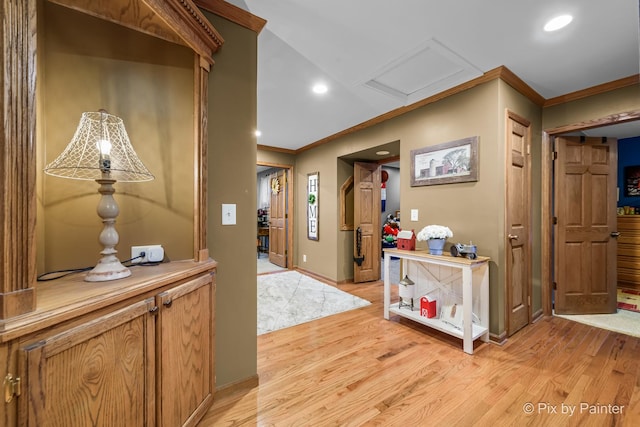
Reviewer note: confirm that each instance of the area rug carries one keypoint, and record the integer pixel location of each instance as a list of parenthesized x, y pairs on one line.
[(629, 299), (289, 298), (624, 321)]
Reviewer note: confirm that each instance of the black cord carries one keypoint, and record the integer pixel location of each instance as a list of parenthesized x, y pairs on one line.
[(62, 273)]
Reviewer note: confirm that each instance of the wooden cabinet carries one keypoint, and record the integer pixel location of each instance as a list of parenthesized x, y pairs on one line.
[(98, 373), (629, 251), (134, 352)]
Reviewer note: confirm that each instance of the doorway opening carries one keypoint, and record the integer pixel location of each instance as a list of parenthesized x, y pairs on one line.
[(611, 126), (387, 158), (274, 231)]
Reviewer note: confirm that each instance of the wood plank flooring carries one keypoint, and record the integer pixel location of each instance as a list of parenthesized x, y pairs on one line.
[(356, 368)]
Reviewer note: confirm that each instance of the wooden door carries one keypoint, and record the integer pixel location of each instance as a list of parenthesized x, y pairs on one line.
[(101, 373), (518, 244), (186, 352), (367, 205), (278, 219), (585, 174)]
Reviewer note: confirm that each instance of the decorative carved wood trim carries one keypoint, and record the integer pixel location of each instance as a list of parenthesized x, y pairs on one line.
[(233, 13), (17, 157), (177, 21)]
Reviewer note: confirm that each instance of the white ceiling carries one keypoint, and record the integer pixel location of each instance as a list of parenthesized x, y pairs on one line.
[(377, 55)]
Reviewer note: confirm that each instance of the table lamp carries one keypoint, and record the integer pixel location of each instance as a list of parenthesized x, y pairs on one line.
[(100, 150)]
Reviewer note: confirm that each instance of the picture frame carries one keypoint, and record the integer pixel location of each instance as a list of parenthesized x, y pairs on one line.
[(632, 181), (313, 206), (446, 163)]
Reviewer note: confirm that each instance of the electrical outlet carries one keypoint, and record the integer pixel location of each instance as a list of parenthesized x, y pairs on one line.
[(304, 258), (153, 253), (414, 214)]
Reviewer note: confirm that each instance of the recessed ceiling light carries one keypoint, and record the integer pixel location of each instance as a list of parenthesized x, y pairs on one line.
[(258, 133), (558, 22), (382, 153), (320, 88)]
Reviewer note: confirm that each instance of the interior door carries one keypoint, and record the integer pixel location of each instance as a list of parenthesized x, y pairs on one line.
[(278, 218), (366, 220), (585, 174), (518, 245)]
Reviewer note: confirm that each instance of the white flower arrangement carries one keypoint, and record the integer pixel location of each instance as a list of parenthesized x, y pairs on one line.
[(434, 232)]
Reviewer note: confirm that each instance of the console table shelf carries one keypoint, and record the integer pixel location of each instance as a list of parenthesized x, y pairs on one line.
[(445, 274)]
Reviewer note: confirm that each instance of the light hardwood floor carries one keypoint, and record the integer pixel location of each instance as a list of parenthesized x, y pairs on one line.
[(356, 368)]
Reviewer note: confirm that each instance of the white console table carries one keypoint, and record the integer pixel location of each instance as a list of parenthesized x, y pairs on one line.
[(442, 272)]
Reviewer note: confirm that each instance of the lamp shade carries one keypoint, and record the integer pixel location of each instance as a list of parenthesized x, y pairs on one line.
[(99, 146)]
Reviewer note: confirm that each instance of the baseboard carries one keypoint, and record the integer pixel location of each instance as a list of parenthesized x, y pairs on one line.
[(499, 339), (316, 276), (238, 386), (537, 316)]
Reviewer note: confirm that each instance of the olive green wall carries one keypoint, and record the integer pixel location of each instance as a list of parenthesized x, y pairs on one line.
[(592, 107), (86, 64), (474, 210), (232, 179)]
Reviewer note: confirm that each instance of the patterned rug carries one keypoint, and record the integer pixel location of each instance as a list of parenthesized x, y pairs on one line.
[(629, 299), (289, 298)]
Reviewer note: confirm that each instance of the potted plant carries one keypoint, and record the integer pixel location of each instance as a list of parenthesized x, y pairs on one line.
[(435, 236)]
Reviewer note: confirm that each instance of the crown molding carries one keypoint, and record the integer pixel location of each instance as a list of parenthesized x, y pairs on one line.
[(233, 13)]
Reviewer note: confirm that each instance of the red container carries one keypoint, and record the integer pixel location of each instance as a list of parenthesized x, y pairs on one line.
[(427, 307)]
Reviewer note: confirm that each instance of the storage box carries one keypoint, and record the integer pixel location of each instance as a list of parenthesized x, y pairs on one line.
[(407, 240), (428, 307)]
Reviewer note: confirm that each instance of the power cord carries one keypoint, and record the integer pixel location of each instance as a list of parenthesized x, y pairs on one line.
[(62, 273)]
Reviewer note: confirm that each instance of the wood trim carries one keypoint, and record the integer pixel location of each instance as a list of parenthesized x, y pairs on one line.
[(239, 386), (501, 72), (276, 149), (233, 13), (290, 211), (625, 116), (200, 109), (547, 193), (499, 339), (546, 274), (17, 157), (317, 276), (344, 188), (178, 21), (594, 90)]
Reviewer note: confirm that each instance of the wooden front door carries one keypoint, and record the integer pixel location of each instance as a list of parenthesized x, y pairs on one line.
[(518, 226), (278, 218), (366, 221), (585, 174)]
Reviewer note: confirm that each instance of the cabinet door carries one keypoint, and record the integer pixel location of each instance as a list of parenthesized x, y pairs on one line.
[(100, 373), (185, 352)]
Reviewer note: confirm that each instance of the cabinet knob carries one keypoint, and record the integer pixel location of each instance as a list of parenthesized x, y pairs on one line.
[(512, 236), (615, 233), (168, 303)]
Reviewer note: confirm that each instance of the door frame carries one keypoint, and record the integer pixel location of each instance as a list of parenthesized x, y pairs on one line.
[(548, 194), (289, 208)]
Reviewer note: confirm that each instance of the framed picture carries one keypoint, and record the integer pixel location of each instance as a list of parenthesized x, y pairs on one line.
[(632, 181), (313, 205), (446, 163)]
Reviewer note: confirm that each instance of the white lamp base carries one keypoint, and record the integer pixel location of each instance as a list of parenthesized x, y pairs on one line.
[(108, 268)]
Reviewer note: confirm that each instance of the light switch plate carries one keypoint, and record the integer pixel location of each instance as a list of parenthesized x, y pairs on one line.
[(228, 214), (414, 214)]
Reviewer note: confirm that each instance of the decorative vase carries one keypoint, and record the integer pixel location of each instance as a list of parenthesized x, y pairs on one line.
[(436, 246)]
